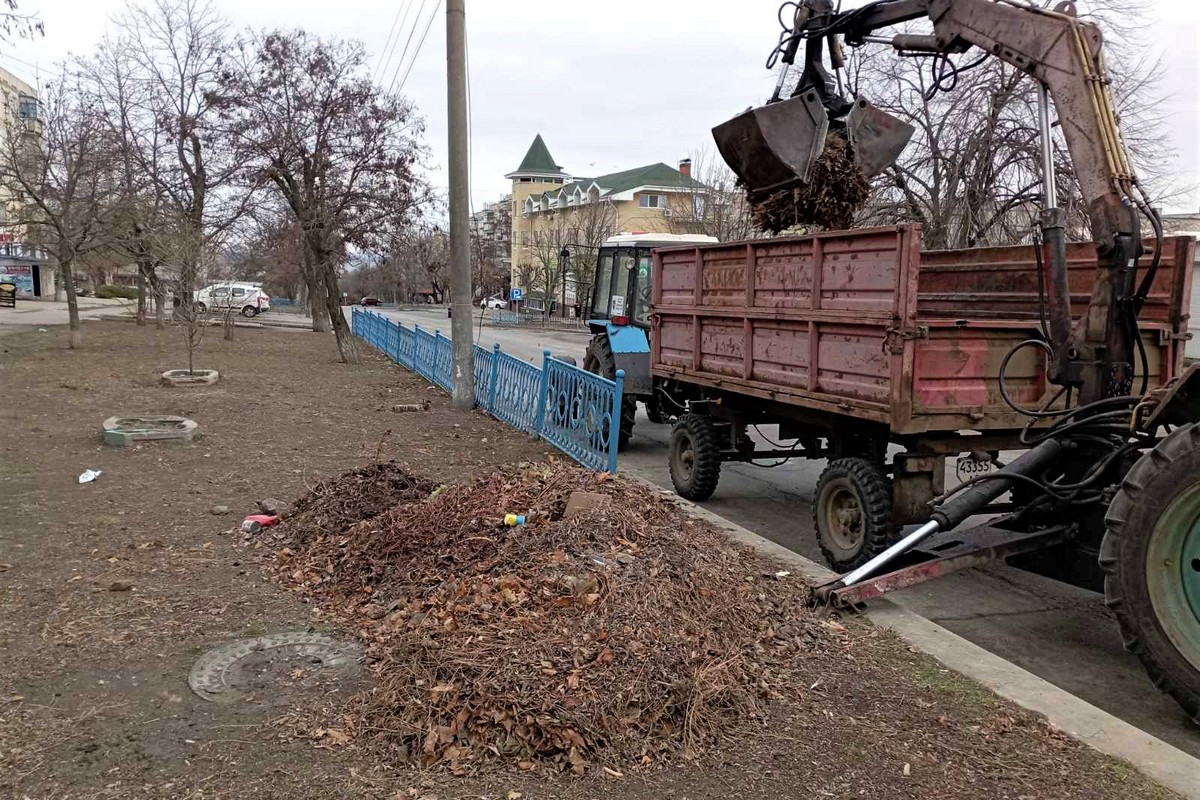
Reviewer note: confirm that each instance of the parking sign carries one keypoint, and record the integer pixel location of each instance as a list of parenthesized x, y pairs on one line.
[(515, 294)]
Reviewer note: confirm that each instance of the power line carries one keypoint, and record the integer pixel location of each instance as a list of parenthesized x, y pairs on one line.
[(397, 26), (417, 52), (407, 43)]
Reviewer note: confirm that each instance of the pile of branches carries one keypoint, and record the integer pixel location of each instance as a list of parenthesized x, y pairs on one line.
[(611, 636), (834, 194)]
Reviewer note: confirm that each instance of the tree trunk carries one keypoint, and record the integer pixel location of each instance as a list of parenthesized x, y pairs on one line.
[(160, 303), (347, 347), (229, 325), (141, 298), (317, 298), (75, 335)]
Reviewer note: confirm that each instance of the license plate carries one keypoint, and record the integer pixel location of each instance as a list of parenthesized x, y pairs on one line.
[(968, 468)]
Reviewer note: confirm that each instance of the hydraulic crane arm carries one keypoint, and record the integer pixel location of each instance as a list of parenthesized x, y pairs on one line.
[(1065, 55)]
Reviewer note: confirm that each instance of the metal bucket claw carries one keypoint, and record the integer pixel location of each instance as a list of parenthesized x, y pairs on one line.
[(876, 137), (774, 146)]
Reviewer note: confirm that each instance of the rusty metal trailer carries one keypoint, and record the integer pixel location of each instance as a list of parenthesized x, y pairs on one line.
[(857, 341)]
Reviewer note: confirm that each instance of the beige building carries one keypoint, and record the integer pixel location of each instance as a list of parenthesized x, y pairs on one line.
[(549, 204), (20, 262)]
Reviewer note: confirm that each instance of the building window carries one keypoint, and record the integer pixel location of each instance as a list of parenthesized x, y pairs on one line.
[(27, 107), (652, 201)]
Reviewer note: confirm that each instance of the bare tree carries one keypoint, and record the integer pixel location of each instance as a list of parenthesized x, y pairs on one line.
[(589, 225), (15, 25), (717, 206), (175, 50), (306, 117), (971, 175), (61, 163), (490, 247)]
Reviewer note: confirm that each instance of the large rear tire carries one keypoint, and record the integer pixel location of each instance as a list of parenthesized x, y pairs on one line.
[(852, 513), (695, 457), (1151, 560), (599, 360)]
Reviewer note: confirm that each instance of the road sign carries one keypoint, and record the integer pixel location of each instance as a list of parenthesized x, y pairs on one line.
[(516, 294)]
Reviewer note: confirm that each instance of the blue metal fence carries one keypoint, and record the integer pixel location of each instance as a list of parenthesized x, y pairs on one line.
[(576, 411)]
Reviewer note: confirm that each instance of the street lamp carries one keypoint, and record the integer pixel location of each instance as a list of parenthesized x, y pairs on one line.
[(564, 261)]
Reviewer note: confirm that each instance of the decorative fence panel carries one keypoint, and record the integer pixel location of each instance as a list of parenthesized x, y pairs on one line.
[(572, 409)]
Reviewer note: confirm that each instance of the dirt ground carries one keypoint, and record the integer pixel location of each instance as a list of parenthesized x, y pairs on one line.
[(109, 591)]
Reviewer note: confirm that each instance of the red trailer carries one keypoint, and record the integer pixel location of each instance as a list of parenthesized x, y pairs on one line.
[(854, 341)]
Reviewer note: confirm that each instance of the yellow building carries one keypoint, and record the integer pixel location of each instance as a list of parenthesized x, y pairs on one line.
[(549, 205)]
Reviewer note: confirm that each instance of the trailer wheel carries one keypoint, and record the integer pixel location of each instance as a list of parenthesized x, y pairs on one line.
[(1151, 559), (695, 457), (599, 360), (852, 513)]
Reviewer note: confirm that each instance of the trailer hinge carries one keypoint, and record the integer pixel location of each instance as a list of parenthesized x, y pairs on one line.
[(895, 337)]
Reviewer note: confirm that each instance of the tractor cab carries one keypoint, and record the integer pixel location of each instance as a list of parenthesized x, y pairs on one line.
[(621, 294), (620, 317)]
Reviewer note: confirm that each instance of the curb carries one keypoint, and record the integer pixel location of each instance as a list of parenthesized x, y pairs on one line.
[(1094, 727)]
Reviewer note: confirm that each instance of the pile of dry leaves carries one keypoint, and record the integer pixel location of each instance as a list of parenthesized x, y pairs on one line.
[(834, 194), (616, 633)]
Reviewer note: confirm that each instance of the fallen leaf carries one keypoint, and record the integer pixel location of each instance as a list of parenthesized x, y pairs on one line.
[(525, 765), (512, 795)]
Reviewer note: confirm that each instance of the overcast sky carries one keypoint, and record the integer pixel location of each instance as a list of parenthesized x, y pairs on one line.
[(609, 85)]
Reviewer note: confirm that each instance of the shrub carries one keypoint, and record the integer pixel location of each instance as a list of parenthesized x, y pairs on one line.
[(108, 292)]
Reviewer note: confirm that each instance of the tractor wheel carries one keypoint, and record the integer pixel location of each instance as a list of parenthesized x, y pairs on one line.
[(1151, 561), (695, 458), (852, 513), (599, 360)]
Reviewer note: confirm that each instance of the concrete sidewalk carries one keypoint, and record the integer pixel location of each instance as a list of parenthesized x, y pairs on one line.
[(44, 313)]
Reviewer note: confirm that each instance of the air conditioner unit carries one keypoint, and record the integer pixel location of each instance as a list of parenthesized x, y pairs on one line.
[(667, 213)]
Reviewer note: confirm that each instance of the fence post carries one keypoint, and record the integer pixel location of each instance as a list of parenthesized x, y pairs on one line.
[(491, 395), (397, 326), (540, 419), (417, 349), (437, 354), (614, 427)]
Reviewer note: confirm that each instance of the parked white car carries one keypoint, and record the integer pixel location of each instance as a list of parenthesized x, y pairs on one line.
[(495, 301), (248, 298)]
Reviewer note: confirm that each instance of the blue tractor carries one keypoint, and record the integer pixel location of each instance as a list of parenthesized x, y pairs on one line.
[(620, 319)]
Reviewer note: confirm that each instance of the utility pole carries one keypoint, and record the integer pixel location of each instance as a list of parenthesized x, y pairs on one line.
[(460, 234)]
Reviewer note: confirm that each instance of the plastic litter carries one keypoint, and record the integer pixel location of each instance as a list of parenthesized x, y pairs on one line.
[(256, 522), (512, 520), (89, 475)]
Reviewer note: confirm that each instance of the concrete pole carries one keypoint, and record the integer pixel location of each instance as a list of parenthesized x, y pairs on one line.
[(460, 234)]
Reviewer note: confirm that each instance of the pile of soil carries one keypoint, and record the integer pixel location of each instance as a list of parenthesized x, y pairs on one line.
[(623, 632), (834, 194), (336, 503)]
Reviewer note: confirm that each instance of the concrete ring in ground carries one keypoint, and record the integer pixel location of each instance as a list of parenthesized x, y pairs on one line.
[(181, 377), (215, 675), (123, 430)]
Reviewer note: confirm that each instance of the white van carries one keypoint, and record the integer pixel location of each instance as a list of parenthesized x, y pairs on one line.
[(248, 298)]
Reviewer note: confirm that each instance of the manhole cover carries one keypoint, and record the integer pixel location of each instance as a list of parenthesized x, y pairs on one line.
[(266, 666)]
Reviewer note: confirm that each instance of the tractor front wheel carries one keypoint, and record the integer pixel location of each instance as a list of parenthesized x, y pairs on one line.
[(1151, 560), (599, 360)]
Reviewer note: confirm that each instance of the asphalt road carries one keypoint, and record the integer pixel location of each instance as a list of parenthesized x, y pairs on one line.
[(1060, 633)]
